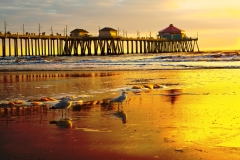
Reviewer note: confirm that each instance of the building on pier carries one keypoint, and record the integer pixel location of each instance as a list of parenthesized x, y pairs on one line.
[(172, 33), (107, 32), (79, 33)]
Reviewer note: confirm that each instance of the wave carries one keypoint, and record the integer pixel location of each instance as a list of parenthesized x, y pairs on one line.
[(226, 59)]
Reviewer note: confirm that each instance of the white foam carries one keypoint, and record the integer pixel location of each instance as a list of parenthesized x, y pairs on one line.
[(126, 62)]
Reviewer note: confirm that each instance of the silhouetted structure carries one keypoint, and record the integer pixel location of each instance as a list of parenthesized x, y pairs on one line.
[(78, 33), (56, 45), (172, 33), (107, 32)]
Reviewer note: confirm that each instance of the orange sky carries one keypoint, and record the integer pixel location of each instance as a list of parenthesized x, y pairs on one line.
[(216, 22)]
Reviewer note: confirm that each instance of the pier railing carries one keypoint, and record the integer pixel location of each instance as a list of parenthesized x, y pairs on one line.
[(58, 45)]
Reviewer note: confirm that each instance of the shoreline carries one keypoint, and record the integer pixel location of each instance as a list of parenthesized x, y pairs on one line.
[(114, 70)]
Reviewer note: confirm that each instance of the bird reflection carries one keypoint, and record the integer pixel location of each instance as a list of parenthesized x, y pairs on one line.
[(121, 114), (173, 95), (62, 123)]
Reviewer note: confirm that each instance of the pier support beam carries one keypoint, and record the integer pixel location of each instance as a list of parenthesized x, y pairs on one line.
[(21, 47), (16, 47), (4, 47), (9, 45)]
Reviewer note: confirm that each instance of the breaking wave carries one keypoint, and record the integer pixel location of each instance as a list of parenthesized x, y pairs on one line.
[(161, 61)]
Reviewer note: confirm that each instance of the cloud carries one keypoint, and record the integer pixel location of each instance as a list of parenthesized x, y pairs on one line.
[(193, 16)]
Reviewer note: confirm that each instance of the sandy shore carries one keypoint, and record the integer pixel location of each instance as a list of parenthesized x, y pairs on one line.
[(194, 115)]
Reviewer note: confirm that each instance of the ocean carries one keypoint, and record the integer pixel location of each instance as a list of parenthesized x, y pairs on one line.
[(161, 61)]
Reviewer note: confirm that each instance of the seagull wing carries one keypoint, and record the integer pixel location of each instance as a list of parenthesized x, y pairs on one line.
[(63, 104), (119, 99)]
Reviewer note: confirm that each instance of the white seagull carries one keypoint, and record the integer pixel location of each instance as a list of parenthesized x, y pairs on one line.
[(121, 98), (65, 103)]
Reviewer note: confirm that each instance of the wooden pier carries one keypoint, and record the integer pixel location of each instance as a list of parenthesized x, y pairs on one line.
[(44, 45)]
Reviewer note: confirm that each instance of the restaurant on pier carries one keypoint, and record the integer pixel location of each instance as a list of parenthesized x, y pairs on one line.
[(172, 33), (78, 33), (107, 32)]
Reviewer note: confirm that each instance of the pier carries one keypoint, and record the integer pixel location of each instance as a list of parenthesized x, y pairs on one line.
[(56, 45)]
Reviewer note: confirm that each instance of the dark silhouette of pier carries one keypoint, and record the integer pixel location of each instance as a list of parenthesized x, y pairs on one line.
[(57, 45)]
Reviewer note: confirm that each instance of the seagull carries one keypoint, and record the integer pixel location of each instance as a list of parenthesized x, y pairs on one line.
[(65, 103), (121, 98)]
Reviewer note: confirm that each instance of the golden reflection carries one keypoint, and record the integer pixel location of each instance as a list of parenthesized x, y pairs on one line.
[(173, 95), (13, 111), (25, 77), (53, 82), (121, 114), (62, 123), (84, 107), (212, 120), (106, 105)]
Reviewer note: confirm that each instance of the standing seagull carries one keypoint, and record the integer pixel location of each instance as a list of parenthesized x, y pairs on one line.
[(65, 103), (121, 98)]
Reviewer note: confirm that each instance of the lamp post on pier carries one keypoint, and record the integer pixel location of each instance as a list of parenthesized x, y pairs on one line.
[(23, 29), (138, 34), (39, 29), (5, 27), (66, 30), (51, 31)]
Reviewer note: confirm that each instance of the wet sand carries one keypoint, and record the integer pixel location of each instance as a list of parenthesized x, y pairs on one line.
[(195, 116)]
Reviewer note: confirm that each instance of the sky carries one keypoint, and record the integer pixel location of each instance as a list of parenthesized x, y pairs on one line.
[(215, 22)]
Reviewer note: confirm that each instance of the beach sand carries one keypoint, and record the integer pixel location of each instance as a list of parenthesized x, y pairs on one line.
[(194, 115)]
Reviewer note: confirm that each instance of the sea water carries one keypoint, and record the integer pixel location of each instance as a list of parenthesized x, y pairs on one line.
[(160, 61)]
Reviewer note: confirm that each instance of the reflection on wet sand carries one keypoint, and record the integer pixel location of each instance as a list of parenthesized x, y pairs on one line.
[(93, 134), (62, 123), (27, 77), (23, 110), (26, 84), (173, 95), (121, 114)]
